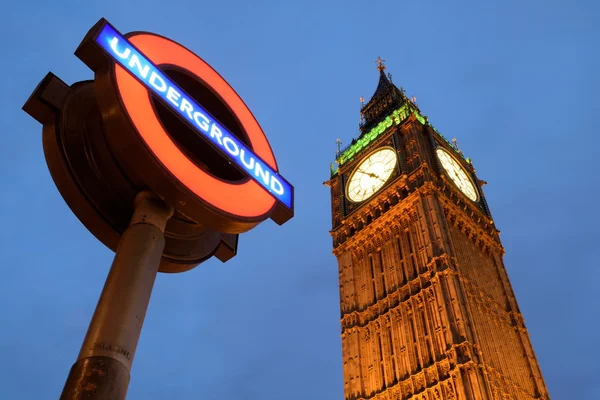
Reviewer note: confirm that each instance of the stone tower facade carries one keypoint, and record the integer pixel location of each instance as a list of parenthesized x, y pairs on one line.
[(427, 309)]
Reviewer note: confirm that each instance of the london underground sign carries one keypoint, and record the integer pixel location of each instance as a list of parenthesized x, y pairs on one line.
[(127, 56), (132, 71), (164, 163), (157, 117)]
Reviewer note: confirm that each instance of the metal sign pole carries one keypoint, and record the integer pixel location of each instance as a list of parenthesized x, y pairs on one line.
[(102, 369)]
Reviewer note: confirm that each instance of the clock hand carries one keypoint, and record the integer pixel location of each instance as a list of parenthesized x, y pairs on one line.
[(452, 175), (456, 175), (461, 184), (372, 175)]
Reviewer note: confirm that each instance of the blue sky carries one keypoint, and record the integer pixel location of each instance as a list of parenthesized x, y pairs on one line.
[(515, 82)]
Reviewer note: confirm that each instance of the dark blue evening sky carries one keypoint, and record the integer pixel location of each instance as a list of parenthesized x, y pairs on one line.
[(516, 82)]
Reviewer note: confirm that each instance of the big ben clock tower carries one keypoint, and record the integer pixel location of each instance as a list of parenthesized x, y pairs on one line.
[(427, 309)]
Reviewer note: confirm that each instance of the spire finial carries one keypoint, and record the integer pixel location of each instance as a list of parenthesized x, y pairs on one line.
[(380, 64), (455, 144)]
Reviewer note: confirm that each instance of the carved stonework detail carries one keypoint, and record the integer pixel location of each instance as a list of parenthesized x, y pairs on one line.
[(404, 223), (419, 299), (386, 235), (414, 216), (377, 241), (360, 254), (419, 308), (450, 391)]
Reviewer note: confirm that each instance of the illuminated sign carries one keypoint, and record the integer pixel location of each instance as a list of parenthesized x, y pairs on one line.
[(158, 118), (140, 66), (160, 187)]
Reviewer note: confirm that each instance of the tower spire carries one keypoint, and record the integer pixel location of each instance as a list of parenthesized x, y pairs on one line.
[(386, 99)]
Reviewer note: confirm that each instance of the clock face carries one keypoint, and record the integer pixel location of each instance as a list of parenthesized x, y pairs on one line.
[(371, 174), (457, 174)]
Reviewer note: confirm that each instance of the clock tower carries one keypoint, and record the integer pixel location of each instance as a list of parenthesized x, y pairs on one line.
[(427, 309)]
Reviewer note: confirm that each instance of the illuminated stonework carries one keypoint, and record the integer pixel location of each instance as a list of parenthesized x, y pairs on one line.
[(427, 310)]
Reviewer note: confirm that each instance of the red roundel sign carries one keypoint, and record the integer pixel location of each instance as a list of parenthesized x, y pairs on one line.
[(180, 129)]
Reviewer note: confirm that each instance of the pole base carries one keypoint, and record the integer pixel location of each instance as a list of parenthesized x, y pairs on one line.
[(96, 378)]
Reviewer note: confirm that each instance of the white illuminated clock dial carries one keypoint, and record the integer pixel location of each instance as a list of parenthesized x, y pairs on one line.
[(457, 174), (371, 174)]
